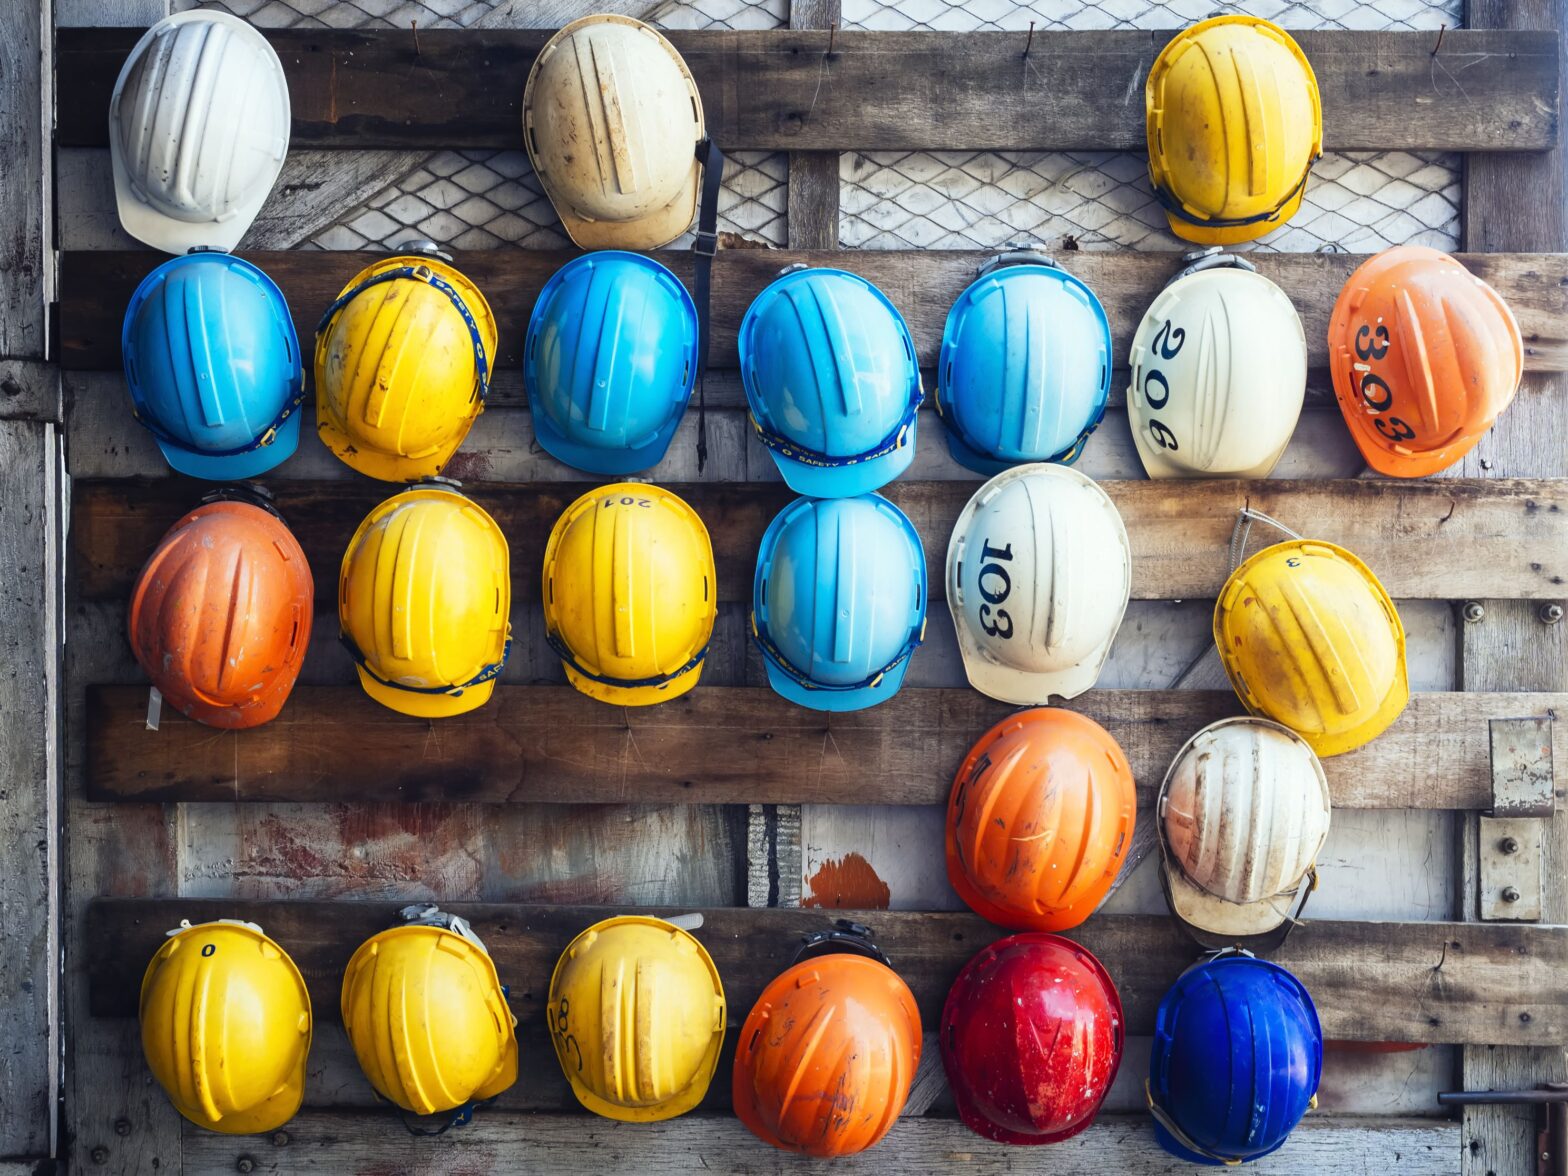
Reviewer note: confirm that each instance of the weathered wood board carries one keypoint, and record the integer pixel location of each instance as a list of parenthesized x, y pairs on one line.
[(95, 287), (521, 1145), (1416, 982), (553, 744), (1502, 537), (782, 90)]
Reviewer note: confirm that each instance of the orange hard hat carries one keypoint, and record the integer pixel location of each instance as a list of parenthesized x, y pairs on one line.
[(220, 618), (1039, 820), (1425, 357), (824, 1061)]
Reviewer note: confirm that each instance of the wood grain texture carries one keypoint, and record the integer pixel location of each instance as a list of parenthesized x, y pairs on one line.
[(552, 744), (30, 390), (781, 90), (29, 784), (1517, 202), (95, 287), (1506, 538), (1418, 982), (509, 1144), (26, 248)]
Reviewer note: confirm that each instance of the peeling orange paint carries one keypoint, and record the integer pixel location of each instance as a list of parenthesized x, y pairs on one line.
[(848, 882)]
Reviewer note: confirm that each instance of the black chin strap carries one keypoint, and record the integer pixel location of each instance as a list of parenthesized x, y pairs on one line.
[(703, 249)]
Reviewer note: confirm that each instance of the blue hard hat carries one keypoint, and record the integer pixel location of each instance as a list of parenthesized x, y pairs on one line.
[(839, 601), (831, 379), (610, 362), (213, 366), (1237, 1057), (1025, 367)]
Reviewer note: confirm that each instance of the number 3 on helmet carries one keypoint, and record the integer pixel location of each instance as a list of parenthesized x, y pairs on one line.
[(1425, 356)]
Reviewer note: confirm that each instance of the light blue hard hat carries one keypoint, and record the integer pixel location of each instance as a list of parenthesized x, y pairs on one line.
[(213, 366), (839, 601), (830, 375), (610, 361), (1238, 1054), (1025, 367)]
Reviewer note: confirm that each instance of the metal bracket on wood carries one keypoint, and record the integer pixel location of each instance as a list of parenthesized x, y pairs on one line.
[(1511, 837), (1551, 1119)]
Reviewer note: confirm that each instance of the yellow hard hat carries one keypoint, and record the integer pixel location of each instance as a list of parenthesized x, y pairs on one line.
[(612, 120), (225, 1022), (629, 594), (403, 362), (427, 1016), (424, 598), (1234, 125), (1311, 639), (637, 1016)]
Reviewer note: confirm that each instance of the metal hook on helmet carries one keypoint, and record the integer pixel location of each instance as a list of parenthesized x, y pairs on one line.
[(424, 246), (1016, 253), (250, 493), (1245, 517), (1213, 257), (844, 936), (791, 268)]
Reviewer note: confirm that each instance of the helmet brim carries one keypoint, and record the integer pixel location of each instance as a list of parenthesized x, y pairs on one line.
[(593, 459), (849, 481), (239, 466), (634, 695), (1217, 916), (1023, 688), (653, 231), (1157, 465), (426, 706), (836, 701), (1235, 234), (384, 466)]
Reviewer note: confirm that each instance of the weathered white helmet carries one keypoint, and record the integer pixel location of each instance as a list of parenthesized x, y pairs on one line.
[(198, 129), (612, 120), (1242, 814), (1038, 576), (1219, 371)]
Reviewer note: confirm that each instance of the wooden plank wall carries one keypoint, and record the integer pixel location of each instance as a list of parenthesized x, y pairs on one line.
[(1516, 202), (30, 605), (749, 848)]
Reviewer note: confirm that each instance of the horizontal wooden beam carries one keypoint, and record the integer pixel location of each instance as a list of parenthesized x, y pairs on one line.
[(96, 286), (504, 1143), (1418, 982), (549, 743), (782, 90), (1436, 540)]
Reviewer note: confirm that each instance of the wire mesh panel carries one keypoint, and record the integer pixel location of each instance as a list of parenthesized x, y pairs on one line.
[(1357, 201)]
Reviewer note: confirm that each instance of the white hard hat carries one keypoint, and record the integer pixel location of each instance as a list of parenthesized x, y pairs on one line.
[(1243, 813), (612, 120), (198, 129), (1039, 572), (1219, 372)]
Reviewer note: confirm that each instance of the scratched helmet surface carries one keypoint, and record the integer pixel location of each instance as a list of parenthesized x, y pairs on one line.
[(1310, 638)]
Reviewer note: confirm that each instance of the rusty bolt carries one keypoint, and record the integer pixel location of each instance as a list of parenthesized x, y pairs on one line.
[(1510, 894), (1551, 612), (244, 1164), (122, 1126), (1509, 845), (1473, 611), (280, 1139), (99, 1155)]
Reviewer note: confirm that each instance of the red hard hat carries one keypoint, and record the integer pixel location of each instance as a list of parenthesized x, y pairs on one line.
[(1032, 1037)]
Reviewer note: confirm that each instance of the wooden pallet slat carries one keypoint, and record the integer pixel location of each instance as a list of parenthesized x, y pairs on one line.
[(1374, 981), (720, 745), (1442, 539), (781, 90), (95, 287)]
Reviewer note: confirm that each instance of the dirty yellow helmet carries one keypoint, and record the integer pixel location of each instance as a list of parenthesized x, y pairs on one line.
[(1234, 125), (424, 597), (629, 594), (612, 121), (225, 1020), (403, 361), (637, 1017), (427, 1016), (1311, 639)]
